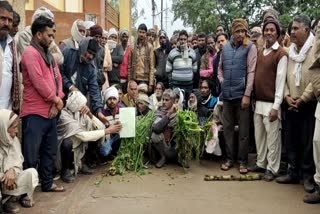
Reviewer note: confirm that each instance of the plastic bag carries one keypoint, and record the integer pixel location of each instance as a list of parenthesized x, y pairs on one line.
[(212, 141)]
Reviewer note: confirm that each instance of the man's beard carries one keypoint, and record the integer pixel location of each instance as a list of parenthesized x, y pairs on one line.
[(202, 49), (44, 46), (192, 106), (163, 45), (158, 96)]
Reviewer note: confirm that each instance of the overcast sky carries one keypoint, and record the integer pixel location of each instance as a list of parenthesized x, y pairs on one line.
[(147, 18)]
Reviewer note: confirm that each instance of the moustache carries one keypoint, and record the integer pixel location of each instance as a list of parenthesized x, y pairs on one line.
[(5, 28)]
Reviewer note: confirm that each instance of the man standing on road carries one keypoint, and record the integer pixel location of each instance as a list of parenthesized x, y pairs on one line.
[(269, 85), (42, 100), (300, 107), (315, 80), (236, 75)]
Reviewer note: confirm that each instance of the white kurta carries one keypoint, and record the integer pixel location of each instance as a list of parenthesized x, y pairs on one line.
[(6, 82), (268, 134)]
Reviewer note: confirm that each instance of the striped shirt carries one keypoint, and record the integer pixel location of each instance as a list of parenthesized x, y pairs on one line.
[(180, 70)]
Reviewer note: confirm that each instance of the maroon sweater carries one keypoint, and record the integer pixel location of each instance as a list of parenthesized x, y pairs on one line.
[(266, 73)]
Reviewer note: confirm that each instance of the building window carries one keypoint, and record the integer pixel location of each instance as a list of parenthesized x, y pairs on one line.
[(74, 6)]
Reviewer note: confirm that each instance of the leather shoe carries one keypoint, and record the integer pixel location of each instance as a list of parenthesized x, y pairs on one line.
[(309, 185), (313, 198), (256, 168), (86, 170), (11, 207), (287, 179), (67, 177), (268, 176)]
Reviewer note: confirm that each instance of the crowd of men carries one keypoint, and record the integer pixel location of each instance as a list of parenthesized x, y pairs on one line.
[(68, 95)]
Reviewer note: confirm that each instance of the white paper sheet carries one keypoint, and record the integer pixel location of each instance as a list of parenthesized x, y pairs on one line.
[(127, 117)]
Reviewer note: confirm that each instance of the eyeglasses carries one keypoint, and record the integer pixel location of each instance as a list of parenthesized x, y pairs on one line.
[(82, 31)]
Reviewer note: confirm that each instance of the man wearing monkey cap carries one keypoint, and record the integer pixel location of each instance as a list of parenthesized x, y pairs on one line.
[(236, 75)]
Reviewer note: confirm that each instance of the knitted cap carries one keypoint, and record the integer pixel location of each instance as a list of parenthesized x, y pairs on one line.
[(93, 46), (272, 21), (96, 30)]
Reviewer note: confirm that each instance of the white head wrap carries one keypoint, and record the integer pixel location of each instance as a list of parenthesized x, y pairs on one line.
[(42, 11), (5, 123), (113, 31), (88, 24), (76, 100), (105, 33), (76, 35), (111, 92)]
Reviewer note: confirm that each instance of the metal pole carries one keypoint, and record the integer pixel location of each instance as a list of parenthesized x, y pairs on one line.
[(153, 12), (161, 14)]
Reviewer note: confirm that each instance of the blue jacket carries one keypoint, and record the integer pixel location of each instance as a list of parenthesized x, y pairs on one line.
[(234, 71), (86, 77)]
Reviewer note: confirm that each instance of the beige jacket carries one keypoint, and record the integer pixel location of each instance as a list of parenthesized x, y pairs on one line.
[(305, 90), (141, 64)]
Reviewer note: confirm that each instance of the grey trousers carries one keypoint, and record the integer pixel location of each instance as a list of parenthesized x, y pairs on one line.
[(232, 115)]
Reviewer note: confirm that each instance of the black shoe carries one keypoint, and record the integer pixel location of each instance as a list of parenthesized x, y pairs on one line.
[(309, 185), (67, 177), (313, 198), (256, 168), (268, 176), (11, 207), (86, 170), (287, 179)]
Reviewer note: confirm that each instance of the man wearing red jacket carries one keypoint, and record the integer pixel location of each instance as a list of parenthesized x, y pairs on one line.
[(42, 100)]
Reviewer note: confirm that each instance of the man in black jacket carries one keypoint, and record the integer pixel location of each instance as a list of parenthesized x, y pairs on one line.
[(200, 51), (78, 74), (161, 55)]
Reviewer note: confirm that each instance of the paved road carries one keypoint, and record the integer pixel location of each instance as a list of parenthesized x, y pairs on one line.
[(172, 190)]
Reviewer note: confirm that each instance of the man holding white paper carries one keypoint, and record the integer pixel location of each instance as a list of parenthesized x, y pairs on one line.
[(111, 112)]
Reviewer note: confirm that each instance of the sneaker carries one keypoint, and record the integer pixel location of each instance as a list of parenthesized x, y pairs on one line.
[(11, 207), (268, 176), (287, 179), (256, 168), (313, 198)]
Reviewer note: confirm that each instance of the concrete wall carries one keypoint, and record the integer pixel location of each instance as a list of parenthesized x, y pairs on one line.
[(125, 14)]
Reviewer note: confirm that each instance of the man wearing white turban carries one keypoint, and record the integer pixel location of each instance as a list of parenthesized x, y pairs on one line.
[(111, 111), (75, 130), (78, 33)]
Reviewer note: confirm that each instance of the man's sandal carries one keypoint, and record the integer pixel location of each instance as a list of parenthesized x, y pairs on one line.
[(226, 166), (243, 169), (56, 188)]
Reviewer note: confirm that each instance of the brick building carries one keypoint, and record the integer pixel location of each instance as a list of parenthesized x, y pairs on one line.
[(67, 11)]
